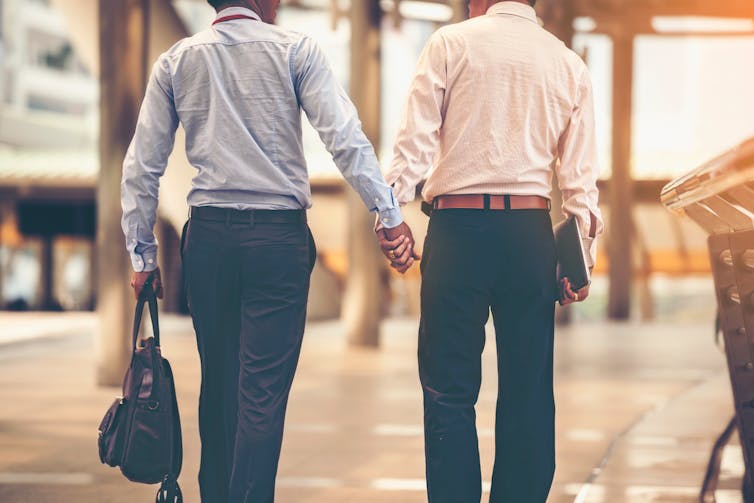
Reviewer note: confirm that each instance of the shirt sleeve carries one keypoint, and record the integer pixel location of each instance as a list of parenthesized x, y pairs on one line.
[(144, 164), (418, 136), (578, 169), (333, 115)]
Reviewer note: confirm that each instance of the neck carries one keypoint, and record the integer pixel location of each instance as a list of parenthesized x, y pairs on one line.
[(248, 4), (232, 4)]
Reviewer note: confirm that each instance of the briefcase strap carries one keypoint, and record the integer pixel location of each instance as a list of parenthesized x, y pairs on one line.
[(147, 296), (169, 491)]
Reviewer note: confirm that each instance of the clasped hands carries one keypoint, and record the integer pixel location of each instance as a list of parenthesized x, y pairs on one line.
[(397, 244)]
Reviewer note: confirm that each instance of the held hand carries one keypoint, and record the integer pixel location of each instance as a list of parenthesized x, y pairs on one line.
[(397, 245), (568, 296), (139, 278)]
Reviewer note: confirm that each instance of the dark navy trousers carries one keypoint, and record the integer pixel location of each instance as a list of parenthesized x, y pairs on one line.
[(475, 261), (247, 284)]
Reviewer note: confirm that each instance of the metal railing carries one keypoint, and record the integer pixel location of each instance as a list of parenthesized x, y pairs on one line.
[(719, 196)]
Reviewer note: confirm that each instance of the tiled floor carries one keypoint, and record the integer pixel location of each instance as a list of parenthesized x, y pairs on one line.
[(639, 406)]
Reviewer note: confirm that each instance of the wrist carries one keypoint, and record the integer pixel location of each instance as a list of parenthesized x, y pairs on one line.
[(390, 218)]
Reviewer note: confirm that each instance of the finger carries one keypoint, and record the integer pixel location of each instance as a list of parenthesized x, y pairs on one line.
[(160, 291), (405, 267), (390, 255), (390, 244), (404, 257), (564, 297), (398, 250), (408, 264), (571, 294), (416, 255), (398, 266)]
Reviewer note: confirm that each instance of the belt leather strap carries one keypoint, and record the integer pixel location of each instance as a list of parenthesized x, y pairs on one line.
[(490, 202), (230, 215)]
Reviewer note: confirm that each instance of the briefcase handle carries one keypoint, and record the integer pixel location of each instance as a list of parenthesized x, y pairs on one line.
[(147, 296)]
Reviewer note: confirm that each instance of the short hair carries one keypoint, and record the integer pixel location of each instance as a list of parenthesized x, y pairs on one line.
[(218, 3), (532, 2)]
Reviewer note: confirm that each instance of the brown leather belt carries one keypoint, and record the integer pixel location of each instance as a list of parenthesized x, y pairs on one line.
[(490, 202)]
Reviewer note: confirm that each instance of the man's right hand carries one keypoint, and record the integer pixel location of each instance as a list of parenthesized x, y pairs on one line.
[(397, 245), (139, 278)]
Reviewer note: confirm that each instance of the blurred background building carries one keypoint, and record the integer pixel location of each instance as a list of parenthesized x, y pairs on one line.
[(49, 137), (673, 88), (48, 162)]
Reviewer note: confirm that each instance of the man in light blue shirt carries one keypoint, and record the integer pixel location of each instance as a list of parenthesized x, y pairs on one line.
[(238, 88)]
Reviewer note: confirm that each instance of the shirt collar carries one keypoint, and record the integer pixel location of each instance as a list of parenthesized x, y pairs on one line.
[(234, 11), (513, 9)]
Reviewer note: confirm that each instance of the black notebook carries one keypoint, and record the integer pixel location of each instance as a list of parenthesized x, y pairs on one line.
[(571, 254)]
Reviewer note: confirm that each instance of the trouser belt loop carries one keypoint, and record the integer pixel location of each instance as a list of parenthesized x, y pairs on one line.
[(486, 201), (251, 218), (507, 201), (228, 217), (427, 208)]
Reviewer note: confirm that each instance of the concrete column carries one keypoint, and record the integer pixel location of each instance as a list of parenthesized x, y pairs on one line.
[(621, 183), (123, 36), (8, 231), (48, 273), (362, 302)]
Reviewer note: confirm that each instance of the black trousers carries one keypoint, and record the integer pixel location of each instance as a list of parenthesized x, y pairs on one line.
[(474, 261), (247, 285)]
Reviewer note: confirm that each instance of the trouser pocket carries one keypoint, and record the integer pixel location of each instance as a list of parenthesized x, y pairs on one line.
[(183, 236), (312, 249)]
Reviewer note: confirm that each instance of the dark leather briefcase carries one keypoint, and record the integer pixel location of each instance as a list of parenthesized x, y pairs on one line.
[(141, 431)]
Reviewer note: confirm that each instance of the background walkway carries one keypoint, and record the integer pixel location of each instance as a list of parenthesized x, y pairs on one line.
[(638, 409)]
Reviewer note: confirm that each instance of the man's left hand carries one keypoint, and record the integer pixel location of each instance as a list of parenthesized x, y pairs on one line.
[(568, 296)]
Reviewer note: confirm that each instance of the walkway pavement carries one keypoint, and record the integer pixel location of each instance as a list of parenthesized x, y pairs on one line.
[(638, 409)]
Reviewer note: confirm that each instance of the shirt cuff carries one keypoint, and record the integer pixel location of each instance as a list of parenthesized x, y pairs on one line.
[(391, 218), (145, 262), (590, 250)]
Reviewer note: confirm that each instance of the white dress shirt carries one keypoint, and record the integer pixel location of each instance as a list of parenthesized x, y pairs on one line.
[(495, 103)]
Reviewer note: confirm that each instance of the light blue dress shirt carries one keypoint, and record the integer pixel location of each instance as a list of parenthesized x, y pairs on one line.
[(238, 89)]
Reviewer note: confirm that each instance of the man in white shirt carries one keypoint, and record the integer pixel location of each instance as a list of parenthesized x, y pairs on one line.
[(497, 103)]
